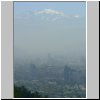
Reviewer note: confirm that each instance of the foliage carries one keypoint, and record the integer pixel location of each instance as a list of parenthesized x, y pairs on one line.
[(22, 92)]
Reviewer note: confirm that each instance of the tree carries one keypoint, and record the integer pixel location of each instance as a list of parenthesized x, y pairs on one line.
[(22, 92)]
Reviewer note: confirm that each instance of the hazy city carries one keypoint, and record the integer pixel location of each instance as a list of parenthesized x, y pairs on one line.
[(49, 50)]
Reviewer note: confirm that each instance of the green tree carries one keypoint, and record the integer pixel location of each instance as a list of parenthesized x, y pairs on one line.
[(22, 92)]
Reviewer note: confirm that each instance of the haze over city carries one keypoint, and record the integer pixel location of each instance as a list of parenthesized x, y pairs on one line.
[(49, 36)]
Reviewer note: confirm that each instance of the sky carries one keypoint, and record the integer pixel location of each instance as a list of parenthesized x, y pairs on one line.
[(66, 7), (58, 28)]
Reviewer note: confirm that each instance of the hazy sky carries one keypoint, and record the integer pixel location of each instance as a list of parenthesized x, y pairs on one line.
[(57, 28)]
